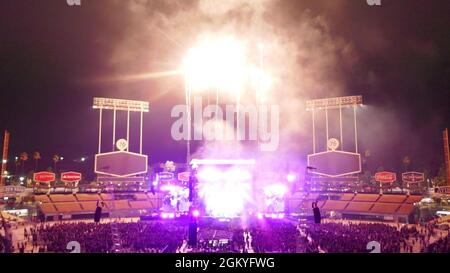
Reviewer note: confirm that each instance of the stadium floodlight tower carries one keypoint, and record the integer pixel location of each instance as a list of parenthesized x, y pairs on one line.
[(121, 163), (333, 163), (120, 105)]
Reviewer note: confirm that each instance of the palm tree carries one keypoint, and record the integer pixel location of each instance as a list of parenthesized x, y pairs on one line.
[(169, 166), (406, 162), (56, 159), (36, 157), (441, 178), (23, 158)]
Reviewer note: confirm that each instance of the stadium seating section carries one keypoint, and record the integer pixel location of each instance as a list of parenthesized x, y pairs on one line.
[(106, 196), (62, 198), (118, 205), (140, 196), (387, 204), (89, 206), (392, 198), (413, 199), (335, 205), (366, 197), (359, 207), (48, 208), (84, 203), (346, 196), (385, 208), (88, 197), (140, 204), (42, 199), (405, 209), (68, 207)]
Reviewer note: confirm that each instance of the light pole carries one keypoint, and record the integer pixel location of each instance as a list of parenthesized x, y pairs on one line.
[(187, 90)]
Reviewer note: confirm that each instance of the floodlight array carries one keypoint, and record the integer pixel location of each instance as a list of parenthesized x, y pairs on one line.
[(121, 105)]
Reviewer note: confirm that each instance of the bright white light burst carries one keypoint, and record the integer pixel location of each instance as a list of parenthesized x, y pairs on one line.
[(225, 193), (218, 64)]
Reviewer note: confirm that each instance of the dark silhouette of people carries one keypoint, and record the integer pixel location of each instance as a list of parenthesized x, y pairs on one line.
[(316, 211), (98, 212), (21, 247)]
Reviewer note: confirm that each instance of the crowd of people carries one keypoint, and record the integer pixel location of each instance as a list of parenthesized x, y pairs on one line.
[(148, 237), (259, 237), (213, 240), (135, 237), (160, 236), (93, 238), (440, 246), (348, 238), (269, 236), (354, 238), (274, 236), (2, 244), (6, 237)]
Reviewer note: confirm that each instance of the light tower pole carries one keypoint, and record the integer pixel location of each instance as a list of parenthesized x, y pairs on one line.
[(4, 158)]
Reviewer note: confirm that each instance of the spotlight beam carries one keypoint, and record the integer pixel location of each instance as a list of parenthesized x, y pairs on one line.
[(139, 77)]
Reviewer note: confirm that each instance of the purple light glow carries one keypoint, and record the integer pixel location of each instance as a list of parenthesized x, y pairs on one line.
[(225, 191), (167, 215), (275, 190), (222, 162), (196, 213)]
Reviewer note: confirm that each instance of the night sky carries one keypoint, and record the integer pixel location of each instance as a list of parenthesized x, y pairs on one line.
[(55, 58)]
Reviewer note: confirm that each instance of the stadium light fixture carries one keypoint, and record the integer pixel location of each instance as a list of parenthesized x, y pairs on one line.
[(121, 105), (330, 104), (334, 103)]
